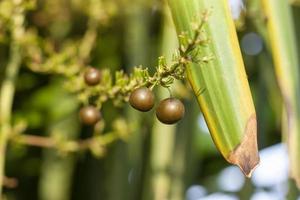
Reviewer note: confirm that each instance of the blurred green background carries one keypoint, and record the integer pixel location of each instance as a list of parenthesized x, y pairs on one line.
[(155, 161)]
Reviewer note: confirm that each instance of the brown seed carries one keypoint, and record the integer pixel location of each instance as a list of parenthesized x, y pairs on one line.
[(170, 111), (142, 99), (92, 76), (89, 115)]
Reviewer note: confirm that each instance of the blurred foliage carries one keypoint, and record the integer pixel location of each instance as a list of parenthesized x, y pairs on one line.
[(61, 38)]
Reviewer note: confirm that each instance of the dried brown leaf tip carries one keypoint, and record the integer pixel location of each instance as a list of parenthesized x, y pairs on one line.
[(245, 155)]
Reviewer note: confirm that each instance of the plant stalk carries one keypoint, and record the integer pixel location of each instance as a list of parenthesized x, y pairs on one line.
[(6, 101), (8, 85), (163, 137)]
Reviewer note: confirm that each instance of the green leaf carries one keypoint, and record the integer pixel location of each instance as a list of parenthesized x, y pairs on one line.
[(282, 41), (221, 84)]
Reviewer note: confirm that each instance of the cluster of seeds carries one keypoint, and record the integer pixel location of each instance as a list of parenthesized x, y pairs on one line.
[(168, 111), (90, 115)]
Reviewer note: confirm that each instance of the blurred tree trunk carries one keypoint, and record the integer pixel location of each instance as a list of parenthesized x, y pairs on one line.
[(127, 166), (184, 168), (158, 183), (57, 171)]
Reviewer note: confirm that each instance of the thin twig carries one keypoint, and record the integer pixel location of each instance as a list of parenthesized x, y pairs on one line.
[(10, 182), (67, 146)]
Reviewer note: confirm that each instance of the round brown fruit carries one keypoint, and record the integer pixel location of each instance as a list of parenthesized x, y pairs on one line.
[(170, 111), (142, 99), (92, 76), (89, 115)]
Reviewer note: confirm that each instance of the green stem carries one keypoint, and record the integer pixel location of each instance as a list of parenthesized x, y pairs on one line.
[(163, 144), (8, 84), (91, 34), (6, 101)]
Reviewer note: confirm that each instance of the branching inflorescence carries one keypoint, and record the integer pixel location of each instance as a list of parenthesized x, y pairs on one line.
[(94, 87), (119, 87)]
